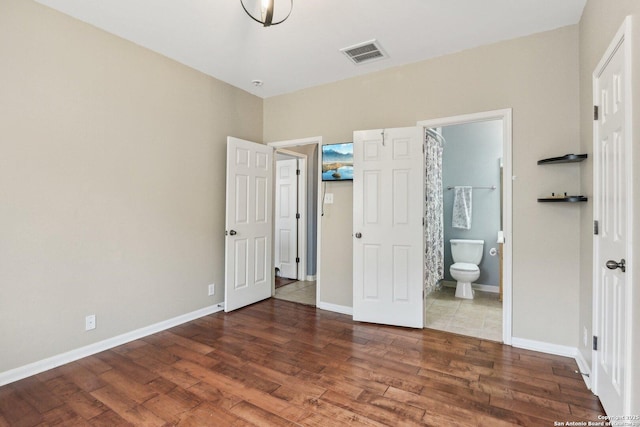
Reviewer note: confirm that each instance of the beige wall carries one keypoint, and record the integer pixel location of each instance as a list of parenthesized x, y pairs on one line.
[(537, 77), (112, 173), (113, 162), (600, 21)]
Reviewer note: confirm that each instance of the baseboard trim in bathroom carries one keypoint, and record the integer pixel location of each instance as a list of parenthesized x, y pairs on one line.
[(475, 286)]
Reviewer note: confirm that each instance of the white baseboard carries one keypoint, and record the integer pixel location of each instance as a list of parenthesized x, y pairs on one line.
[(342, 309), (558, 350), (584, 368), (311, 278), (544, 347), (476, 286), (73, 355)]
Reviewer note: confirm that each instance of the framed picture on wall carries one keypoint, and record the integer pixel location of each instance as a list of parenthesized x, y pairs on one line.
[(337, 162)]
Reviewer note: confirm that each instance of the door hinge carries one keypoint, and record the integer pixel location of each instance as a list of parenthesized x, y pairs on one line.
[(595, 342), (297, 260), (596, 229), (297, 216), (595, 112), (297, 171)]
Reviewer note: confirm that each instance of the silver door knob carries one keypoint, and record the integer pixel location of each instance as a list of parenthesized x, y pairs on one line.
[(358, 235), (612, 265), (232, 232)]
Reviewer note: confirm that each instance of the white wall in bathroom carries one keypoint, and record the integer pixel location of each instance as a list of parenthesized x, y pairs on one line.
[(472, 157)]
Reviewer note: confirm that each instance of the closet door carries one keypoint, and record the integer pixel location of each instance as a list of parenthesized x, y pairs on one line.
[(388, 247)]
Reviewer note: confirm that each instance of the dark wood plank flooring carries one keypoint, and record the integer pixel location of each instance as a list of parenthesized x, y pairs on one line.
[(280, 363)]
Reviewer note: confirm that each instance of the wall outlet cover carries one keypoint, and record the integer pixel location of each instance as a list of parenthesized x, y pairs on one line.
[(90, 322), (212, 289)]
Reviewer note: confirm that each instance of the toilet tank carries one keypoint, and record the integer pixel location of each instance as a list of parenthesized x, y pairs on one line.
[(470, 251)]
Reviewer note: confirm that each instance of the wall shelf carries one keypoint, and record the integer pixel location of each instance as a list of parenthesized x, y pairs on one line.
[(567, 158), (567, 199)]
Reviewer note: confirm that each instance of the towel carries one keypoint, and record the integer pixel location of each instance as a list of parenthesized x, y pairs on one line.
[(461, 208)]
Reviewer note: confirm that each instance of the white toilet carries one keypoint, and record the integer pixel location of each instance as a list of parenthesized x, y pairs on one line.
[(466, 254)]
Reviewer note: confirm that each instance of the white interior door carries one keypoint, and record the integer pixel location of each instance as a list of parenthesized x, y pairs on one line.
[(610, 244), (286, 223), (248, 260), (387, 226)]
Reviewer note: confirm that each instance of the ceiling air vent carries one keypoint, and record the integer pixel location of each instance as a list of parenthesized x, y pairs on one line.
[(364, 52)]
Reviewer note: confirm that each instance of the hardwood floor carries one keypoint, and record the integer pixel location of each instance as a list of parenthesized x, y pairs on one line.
[(280, 363)]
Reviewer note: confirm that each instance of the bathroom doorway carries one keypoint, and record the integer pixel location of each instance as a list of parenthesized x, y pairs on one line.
[(475, 163)]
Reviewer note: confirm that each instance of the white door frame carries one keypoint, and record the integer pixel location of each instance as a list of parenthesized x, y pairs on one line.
[(302, 210), (294, 143), (507, 207), (623, 35)]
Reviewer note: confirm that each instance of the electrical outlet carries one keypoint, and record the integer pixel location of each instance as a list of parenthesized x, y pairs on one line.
[(90, 322), (212, 289), (328, 198), (585, 337)]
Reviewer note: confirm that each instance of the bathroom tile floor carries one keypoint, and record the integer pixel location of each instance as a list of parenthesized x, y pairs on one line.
[(301, 292), (480, 317)]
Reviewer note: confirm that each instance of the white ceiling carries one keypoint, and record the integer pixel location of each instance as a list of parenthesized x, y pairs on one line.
[(219, 39)]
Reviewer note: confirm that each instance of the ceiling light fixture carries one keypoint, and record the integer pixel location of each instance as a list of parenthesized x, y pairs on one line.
[(265, 11)]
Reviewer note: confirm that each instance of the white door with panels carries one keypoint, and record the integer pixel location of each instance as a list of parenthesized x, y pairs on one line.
[(248, 260), (611, 230), (388, 204), (286, 221)]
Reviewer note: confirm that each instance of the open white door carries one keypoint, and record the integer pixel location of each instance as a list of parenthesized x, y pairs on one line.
[(612, 281), (388, 250), (248, 260), (286, 223)]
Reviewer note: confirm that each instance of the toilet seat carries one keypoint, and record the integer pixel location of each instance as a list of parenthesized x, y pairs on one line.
[(464, 273), (465, 266)]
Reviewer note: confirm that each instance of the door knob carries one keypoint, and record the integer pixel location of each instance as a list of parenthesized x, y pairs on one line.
[(233, 232), (358, 235), (612, 265)]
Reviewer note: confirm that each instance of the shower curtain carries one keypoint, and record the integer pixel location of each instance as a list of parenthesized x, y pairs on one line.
[(434, 228)]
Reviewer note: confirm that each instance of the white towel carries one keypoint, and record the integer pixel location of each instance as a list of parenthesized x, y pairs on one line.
[(462, 208)]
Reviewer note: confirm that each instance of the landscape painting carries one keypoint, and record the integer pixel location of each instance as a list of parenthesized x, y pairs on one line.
[(337, 162)]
